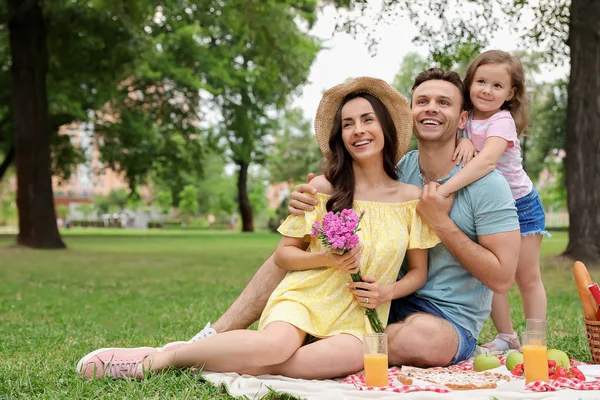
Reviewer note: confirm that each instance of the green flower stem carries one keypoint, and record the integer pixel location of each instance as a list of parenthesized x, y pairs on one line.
[(371, 313)]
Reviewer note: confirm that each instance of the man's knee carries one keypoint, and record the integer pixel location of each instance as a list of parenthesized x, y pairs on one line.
[(422, 340)]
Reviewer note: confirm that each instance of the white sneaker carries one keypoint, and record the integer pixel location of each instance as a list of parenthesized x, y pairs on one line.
[(207, 331)]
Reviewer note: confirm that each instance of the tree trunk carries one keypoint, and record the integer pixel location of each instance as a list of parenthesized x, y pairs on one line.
[(583, 132), (243, 200), (37, 217)]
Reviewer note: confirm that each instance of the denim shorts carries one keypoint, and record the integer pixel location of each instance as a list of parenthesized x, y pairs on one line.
[(532, 219), (405, 306)]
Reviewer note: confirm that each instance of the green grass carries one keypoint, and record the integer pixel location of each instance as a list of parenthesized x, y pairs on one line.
[(123, 288)]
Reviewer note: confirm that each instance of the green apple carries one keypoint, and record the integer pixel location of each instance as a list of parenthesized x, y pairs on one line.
[(561, 358), (514, 358), (483, 362)]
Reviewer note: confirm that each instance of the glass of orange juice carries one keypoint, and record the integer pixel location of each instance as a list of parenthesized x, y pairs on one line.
[(376, 359), (535, 356)]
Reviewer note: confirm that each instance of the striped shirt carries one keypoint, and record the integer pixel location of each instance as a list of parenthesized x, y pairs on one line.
[(510, 163)]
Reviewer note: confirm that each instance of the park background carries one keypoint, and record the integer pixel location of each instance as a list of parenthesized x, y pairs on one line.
[(157, 142)]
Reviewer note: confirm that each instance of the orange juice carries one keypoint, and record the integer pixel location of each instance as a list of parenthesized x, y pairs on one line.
[(535, 361), (376, 369)]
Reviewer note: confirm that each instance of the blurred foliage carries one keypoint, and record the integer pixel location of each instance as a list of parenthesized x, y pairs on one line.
[(294, 151)]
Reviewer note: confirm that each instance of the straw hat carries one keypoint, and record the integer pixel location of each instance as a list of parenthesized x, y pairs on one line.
[(396, 104)]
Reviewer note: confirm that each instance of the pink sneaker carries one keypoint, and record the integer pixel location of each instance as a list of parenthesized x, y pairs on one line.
[(114, 362)]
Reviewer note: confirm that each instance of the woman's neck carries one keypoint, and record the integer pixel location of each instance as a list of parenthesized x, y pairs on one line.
[(370, 176)]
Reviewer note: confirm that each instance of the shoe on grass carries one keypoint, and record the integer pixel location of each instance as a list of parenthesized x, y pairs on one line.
[(207, 331), (502, 343), (114, 363)]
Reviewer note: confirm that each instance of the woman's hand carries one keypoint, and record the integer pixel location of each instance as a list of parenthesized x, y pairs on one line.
[(348, 262), (370, 293), (465, 151)]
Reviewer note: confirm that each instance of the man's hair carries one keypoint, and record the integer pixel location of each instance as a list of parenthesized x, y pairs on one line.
[(438, 74)]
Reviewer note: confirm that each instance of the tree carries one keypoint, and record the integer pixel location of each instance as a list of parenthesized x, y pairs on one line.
[(37, 217), (567, 30), (85, 209), (188, 204), (101, 204), (294, 150), (271, 54), (165, 201), (118, 198)]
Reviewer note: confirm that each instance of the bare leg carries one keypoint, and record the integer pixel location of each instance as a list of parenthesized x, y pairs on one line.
[(333, 357), (422, 340), (529, 278), (250, 304), (501, 314), (233, 351)]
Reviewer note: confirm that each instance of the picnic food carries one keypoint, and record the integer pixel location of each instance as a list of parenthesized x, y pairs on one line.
[(483, 362), (583, 281), (561, 358), (514, 358), (452, 379), (554, 371)]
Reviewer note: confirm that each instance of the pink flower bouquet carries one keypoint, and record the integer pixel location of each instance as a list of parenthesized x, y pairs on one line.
[(337, 231)]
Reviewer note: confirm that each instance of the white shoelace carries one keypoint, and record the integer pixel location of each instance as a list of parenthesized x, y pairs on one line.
[(204, 333)]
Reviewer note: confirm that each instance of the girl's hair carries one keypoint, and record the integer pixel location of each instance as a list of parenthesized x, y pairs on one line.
[(338, 168), (518, 105)]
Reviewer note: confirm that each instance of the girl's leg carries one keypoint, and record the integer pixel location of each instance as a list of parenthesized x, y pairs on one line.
[(233, 351), (529, 278), (333, 357), (501, 317)]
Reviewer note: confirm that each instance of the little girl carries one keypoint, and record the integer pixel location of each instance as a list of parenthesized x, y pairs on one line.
[(497, 104)]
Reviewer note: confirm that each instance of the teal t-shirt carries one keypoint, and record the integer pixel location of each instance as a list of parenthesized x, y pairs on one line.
[(484, 207)]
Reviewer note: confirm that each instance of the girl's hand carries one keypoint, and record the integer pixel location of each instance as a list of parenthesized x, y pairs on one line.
[(349, 262), (465, 151), (370, 293)]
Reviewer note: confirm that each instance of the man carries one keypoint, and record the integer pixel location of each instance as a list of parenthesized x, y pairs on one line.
[(478, 227)]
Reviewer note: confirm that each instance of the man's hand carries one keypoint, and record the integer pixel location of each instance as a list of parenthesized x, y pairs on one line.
[(348, 262), (372, 290), (300, 198), (433, 208)]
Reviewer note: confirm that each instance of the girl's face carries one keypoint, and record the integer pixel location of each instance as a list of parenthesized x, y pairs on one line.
[(491, 87), (362, 133)]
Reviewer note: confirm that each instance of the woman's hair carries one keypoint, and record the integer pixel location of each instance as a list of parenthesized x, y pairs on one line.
[(338, 167), (518, 105)]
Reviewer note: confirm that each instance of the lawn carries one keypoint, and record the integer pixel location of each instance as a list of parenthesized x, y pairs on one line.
[(115, 288)]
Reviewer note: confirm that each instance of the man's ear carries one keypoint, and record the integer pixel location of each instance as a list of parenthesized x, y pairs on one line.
[(462, 119)]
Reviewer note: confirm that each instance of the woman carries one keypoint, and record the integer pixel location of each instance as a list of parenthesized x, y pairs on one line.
[(363, 128)]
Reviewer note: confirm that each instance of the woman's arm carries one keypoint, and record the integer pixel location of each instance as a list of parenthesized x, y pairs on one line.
[(478, 167), (378, 294), (291, 255), (415, 277)]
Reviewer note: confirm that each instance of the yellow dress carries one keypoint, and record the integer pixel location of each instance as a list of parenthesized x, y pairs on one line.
[(317, 300)]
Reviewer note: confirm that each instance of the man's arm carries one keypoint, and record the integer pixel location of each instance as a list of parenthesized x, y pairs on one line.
[(493, 261)]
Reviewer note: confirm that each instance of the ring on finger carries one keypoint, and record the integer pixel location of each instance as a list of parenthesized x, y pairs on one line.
[(366, 300)]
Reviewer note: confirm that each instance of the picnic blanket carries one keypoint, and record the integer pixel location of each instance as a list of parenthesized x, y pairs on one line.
[(353, 387)]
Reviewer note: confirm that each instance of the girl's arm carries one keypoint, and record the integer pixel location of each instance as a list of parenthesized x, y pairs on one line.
[(478, 167), (291, 255)]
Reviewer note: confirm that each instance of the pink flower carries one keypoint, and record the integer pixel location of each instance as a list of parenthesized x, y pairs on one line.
[(338, 230)]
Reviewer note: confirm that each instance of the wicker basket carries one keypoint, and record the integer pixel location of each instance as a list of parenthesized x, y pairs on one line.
[(593, 336)]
